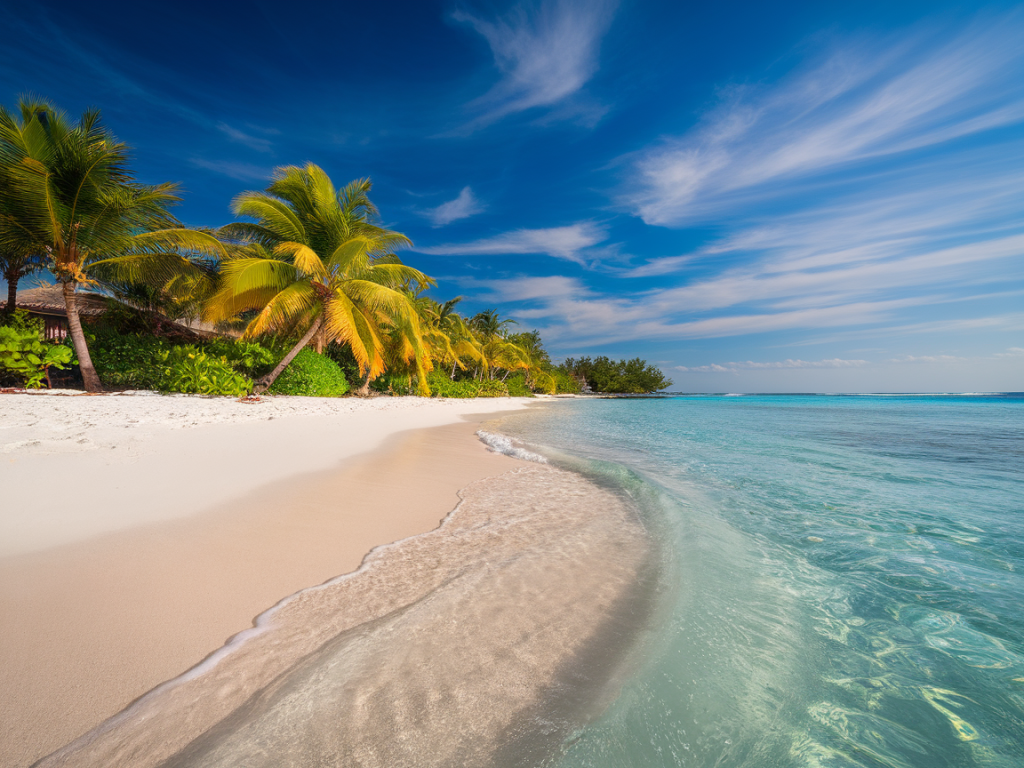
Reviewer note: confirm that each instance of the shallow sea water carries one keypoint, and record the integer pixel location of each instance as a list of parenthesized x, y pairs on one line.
[(842, 578)]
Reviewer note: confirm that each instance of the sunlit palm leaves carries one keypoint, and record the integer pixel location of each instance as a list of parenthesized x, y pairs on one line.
[(313, 261)]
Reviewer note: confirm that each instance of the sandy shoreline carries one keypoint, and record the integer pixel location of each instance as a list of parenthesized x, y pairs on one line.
[(169, 534)]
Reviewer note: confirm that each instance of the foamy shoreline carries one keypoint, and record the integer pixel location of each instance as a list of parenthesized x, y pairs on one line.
[(138, 533)]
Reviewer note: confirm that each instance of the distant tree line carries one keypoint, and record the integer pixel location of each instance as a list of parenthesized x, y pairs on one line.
[(602, 374)]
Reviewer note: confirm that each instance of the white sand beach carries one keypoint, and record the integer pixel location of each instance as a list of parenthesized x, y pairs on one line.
[(139, 533)]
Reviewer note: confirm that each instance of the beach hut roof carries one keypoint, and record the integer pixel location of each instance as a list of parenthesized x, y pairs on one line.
[(49, 300)]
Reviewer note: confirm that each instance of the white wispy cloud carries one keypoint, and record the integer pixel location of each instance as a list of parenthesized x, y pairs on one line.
[(926, 233), (570, 311), (750, 365), (260, 144), (864, 101), (928, 359), (234, 170), (546, 53), (568, 242), (462, 207), (957, 266)]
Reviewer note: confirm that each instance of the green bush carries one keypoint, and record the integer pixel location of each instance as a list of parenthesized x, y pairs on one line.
[(312, 375), (190, 370), (26, 355), (246, 357), (20, 320), (342, 355), (394, 384), (493, 388), (517, 387), (564, 383), (128, 360), (442, 386)]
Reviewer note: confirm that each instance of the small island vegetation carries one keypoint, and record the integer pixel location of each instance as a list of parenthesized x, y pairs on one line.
[(602, 374), (305, 294)]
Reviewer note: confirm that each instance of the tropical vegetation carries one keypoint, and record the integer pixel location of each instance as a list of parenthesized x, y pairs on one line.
[(70, 199), (615, 376), (305, 293)]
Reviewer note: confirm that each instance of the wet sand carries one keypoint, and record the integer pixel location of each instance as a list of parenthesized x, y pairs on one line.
[(486, 642)]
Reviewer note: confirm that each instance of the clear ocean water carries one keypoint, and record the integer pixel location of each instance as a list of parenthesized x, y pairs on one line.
[(842, 578)]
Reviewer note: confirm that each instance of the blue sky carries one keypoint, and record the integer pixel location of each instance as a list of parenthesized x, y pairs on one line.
[(756, 197)]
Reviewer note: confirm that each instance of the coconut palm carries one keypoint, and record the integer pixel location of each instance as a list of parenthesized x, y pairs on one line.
[(489, 323), (537, 360), (498, 352), (314, 259), (463, 344), (69, 194)]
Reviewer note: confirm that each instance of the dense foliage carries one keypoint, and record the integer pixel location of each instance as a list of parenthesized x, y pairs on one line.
[(247, 357), (311, 374), (192, 371), (127, 360), (442, 386), (603, 374), (27, 356)]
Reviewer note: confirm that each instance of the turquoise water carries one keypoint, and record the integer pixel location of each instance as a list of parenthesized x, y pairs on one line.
[(843, 578)]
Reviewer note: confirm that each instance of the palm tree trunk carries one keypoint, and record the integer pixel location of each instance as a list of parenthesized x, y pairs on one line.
[(267, 381), (89, 375), (364, 388), (12, 291)]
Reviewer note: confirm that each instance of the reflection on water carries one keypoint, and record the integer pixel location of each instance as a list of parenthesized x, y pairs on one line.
[(846, 579)]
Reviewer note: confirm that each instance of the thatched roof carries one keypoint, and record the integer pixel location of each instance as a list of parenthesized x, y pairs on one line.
[(49, 300)]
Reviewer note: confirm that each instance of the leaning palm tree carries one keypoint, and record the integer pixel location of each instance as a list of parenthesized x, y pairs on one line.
[(313, 260), (68, 193)]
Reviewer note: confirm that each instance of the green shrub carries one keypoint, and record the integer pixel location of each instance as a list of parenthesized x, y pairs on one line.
[(25, 354), (342, 355), (495, 388), (564, 383), (190, 370), (517, 387), (128, 361), (246, 357), (394, 384), (20, 320), (312, 375), (442, 386)]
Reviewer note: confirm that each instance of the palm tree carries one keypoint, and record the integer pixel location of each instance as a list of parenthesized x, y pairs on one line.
[(537, 360), (463, 344), (498, 352), (489, 323), (68, 193), (313, 259), (14, 267)]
